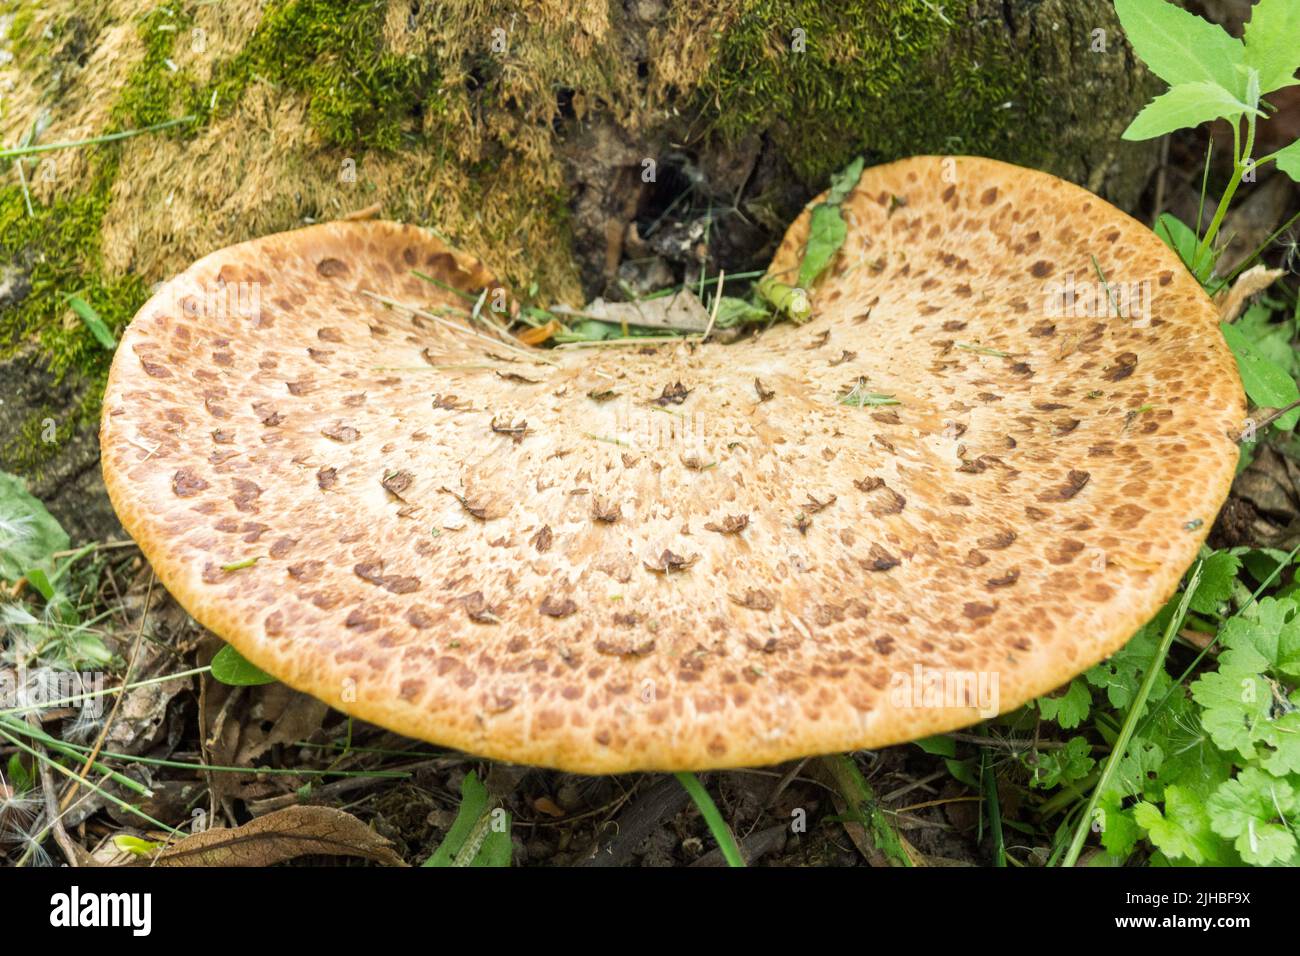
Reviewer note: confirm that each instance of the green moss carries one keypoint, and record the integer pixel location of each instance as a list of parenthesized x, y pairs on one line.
[(59, 245), (331, 51), (21, 23), (844, 94), (157, 90)]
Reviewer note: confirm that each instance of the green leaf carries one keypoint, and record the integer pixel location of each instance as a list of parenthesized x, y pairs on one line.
[(1218, 572), (1180, 238), (231, 667), (1266, 639), (734, 311), (940, 745), (90, 318), (1272, 38), (29, 535), (20, 781), (1065, 765), (1070, 708), (135, 845), (1121, 673), (1282, 754), (476, 837), (826, 228), (1267, 383), (1288, 160), (1182, 829), (1271, 339), (1246, 809), (826, 233), (1136, 773), (80, 648), (1183, 107), (40, 582), (1119, 831), (1180, 47), (963, 771), (1235, 709), (1192, 760), (842, 183)]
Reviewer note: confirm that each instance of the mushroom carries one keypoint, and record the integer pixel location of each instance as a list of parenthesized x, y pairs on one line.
[(953, 491)]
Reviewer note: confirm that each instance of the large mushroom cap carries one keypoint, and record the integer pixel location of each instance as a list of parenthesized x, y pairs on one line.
[(689, 556)]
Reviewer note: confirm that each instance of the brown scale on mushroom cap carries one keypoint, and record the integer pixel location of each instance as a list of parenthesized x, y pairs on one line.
[(451, 581)]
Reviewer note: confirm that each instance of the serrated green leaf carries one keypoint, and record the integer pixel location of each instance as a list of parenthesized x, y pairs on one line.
[(1288, 160), (29, 535), (1137, 769), (1121, 673), (1182, 829), (1218, 572), (1265, 640), (231, 667), (1068, 709), (1267, 383), (1272, 39), (1235, 709), (1180, 47), (1182, 107), (1246, 809), (1248, 642), (1192, 761), (1119, 831), (1282, 743), (1063, 765)]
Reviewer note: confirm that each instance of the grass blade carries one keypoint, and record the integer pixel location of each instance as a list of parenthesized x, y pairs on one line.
[(90, 318), (709, 810), (26, 150), (1130, 721)]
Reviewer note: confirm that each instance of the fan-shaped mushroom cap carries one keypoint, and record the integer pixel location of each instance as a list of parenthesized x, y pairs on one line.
[(687, 556)]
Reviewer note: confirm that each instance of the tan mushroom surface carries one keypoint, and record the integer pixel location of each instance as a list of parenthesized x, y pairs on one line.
[(686, 556)]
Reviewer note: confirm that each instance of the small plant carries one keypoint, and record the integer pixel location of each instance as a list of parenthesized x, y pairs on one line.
[(480, 834), (1198, 768), (1213, 75)]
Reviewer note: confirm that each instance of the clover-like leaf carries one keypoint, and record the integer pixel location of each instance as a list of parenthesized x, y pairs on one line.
[(1119, 830), (1068, 709), (1218, 572), (1182, 829), (1247, 810), (1236, 708)]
